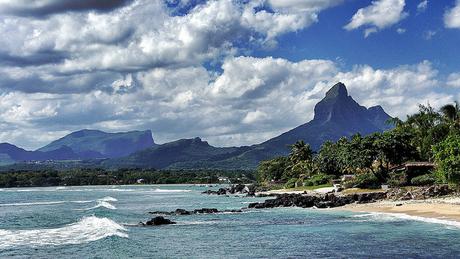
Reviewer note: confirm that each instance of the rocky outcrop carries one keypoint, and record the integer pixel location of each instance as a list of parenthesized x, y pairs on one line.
[(156, 221), (419, 193), (318, 201), (234, 189), (180, 212)]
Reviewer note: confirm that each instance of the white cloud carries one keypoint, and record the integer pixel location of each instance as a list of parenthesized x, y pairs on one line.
[(254, 116), (453, 80), (137, 36), (139, 66), (401, 30), (422, 6), (398, 90), (377, 16), (252, 100), (452, 16)]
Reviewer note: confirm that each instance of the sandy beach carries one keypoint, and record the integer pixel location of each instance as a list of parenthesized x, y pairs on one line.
[(441, 208)]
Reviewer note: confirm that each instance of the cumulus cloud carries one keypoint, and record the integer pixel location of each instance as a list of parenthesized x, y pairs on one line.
[(452, 16), (377, 16), (40, 8), (133, 36), (398, 90), (144, 65), (453, 80), (252, 100)]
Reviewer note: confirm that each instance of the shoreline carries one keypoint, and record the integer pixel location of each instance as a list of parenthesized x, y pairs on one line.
[(441, 209)]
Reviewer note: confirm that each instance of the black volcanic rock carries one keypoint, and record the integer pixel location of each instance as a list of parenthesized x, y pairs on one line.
[(157, 221)]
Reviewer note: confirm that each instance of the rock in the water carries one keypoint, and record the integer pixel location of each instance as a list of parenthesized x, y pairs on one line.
[(196, 211), (182, 212), (156, 221), (205, 211), (162, 212)]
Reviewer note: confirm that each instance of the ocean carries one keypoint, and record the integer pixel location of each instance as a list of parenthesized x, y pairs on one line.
[(102, 222)]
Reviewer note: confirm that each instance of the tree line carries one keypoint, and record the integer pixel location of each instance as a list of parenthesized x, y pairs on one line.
[(97, 176)]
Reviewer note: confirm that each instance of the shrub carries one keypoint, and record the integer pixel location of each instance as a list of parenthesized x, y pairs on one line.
[(426, 179), (397, 179), (447, 157), (365, 180), (319, 179), (290, 183)]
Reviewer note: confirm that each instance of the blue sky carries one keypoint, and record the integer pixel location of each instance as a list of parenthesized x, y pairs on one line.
[(234, 72), (328, 40)]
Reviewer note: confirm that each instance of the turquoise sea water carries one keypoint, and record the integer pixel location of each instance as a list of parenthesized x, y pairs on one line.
[(100, 222)]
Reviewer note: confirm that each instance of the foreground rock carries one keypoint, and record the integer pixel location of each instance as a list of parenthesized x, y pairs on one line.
[(318, 201), (180, 212), (156, 221)]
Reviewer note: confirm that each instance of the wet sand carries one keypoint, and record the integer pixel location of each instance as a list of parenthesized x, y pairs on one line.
[(444, 208)]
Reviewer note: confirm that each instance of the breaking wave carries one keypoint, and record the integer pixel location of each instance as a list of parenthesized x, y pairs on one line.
[(86, 230), (103, 203)]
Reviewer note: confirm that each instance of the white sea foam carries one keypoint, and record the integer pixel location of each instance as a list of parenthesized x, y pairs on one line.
[(61, 188), (31, 203), (382, 216), (108, 198), (40, 203), (103, 203), (169, 191), (86, 230)]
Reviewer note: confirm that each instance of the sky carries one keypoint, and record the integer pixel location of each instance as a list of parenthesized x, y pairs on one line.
[(233, 72)]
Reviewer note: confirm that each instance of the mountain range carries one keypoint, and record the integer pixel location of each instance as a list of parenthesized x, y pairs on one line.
[(336, 115), (79, 145)]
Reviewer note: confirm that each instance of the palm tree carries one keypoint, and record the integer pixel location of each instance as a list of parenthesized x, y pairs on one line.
[(397, 122), (300, 152), (451, 112)]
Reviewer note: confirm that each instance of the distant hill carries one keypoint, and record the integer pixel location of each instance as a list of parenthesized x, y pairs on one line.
[(336, 115), (90, 144), (181, 151), (83, 144), (10, 154)]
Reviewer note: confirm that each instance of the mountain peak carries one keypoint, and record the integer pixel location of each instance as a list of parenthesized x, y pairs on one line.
[(337, 91)]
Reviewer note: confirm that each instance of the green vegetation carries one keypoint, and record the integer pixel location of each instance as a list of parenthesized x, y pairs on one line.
[(76, 177), (447, 156), (429, 135)]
